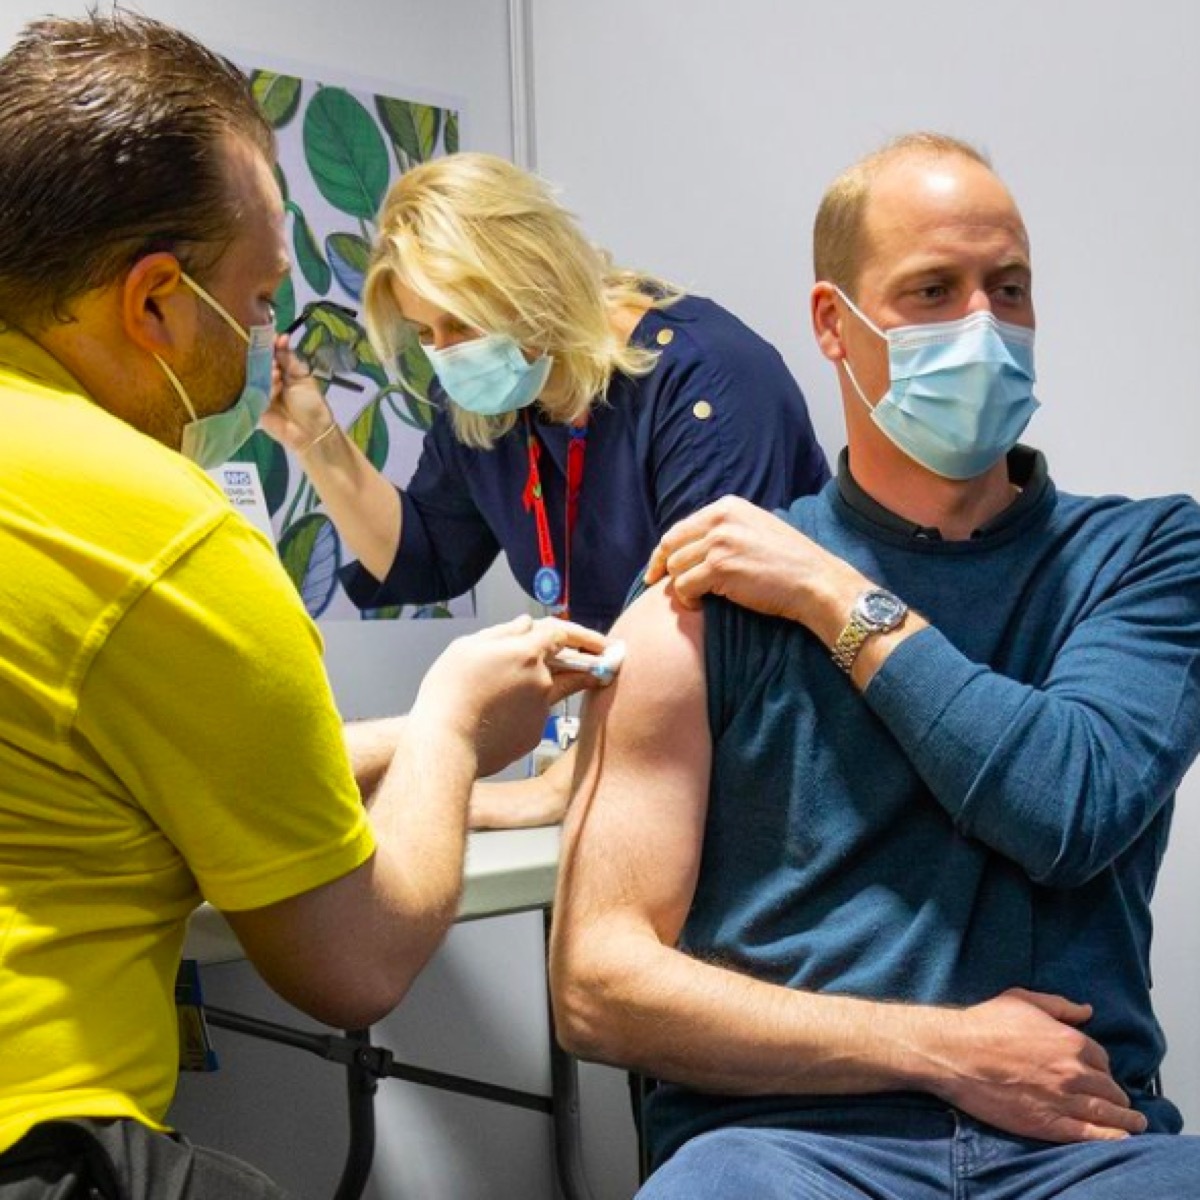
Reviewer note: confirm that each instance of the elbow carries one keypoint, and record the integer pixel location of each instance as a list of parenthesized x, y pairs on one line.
[(1064, 829), (358, 1012), (1072, 857), (1062, 876), (356, 999), (594, 1002), (360, 986), (1102, 821), (578, 1022), (1068, 869)]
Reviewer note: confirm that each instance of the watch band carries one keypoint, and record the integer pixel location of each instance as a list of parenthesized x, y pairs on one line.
[(875, 611), (850, 642)]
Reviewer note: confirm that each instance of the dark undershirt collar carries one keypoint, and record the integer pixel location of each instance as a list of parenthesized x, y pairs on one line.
[(1026, 470)]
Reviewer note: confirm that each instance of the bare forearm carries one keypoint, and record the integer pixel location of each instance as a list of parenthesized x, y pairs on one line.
[(419, 814), (369, 932), (371, 745), (520, 803), (1017, 1061), (363, 505), (673, 1017)]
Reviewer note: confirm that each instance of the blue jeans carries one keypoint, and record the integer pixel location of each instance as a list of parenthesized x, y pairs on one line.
[(897, 1153)]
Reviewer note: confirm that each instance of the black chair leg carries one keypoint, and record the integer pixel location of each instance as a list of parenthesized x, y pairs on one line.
[(361, 1084), (640, 1086)]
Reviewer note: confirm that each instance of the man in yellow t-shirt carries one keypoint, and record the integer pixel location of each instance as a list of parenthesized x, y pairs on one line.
[(167, 733)]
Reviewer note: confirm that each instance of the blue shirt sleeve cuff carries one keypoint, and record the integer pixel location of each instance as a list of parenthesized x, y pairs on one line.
[(911, 693)]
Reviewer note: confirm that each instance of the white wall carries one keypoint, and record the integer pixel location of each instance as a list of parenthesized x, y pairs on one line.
[(695, 137)]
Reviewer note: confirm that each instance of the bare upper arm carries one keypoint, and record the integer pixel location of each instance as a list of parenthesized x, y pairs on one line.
[(634, 832), (319, 949)]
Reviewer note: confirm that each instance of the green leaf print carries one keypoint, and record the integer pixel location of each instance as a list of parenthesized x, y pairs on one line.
[(285, 303), (349, 255), (309, 258), (345, 152), (272, 463), (417, 374), (335, 343), (311, 553), (412, 127), (369, 433), (278, 96), (388, 612)]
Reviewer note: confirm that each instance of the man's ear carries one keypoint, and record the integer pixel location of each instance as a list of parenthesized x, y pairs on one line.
[(153, 308), (827, 321)]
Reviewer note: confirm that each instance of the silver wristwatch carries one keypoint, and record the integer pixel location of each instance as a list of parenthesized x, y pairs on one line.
[(876, 611)]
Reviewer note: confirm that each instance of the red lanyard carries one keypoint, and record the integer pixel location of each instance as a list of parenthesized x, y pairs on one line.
[(551, 588)]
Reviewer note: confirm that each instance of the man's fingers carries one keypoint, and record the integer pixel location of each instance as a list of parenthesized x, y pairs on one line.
[(1097, 1120), (673, 558), (1068, 1131), (690, 588), (1085, 1118), (516, 626), (1096, 1056), (683, 545), (1099, 1088), (657, 566), (556, 634), (1059, 1007)]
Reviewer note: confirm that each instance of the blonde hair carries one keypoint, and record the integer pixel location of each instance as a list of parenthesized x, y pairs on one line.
[(488, 243), (838, 241)]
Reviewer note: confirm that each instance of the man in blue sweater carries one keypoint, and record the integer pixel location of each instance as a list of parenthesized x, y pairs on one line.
[(863, 843)]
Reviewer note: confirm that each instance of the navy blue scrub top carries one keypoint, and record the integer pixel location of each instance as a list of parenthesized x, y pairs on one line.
[(719, 414)]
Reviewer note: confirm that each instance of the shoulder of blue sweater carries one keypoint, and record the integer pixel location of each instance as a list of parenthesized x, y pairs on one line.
[(802, 511), (1177, 506), (1163, 528)]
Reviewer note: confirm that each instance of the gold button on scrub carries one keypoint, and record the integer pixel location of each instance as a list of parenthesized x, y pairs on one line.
[(702, 410), (665, 337)]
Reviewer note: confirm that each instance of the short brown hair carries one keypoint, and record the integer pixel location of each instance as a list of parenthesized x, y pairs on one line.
[(838, 230), (111, 135)]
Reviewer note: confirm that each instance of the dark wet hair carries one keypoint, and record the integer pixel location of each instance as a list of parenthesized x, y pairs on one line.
[(111, 136)]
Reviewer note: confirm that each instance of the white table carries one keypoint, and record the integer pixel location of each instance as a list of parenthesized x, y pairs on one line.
[(507, 871)]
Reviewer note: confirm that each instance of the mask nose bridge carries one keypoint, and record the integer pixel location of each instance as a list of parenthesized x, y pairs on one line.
[(448, 341)]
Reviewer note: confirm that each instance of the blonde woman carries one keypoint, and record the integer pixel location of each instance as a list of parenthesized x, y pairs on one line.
[(582, 408)]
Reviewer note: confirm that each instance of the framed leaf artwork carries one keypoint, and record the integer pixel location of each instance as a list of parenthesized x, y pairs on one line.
[(339, 152)]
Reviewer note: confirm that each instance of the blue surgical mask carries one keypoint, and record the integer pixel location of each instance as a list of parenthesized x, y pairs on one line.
[(489, 376), (961, 391), (213, 440)]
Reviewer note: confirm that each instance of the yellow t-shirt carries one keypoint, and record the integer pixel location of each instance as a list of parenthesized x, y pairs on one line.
[(167, 734)]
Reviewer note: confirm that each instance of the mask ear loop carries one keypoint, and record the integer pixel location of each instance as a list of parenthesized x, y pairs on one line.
[(187, 403), (861, 394), (862, 316), (858, 312), (179, 388), (217, 306)]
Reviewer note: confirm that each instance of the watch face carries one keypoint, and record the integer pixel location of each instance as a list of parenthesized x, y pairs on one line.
[(881, 609)]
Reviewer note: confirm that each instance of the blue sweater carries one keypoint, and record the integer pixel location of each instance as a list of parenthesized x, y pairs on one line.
[(993, 811), (718, 414)]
